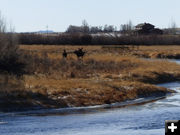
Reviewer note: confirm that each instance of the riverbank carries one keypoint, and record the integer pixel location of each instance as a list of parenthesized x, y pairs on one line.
[(28, 101), (142, 119), (100, 78), (158, 52)]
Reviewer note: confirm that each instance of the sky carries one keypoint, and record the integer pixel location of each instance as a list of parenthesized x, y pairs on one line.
[(35, 15)]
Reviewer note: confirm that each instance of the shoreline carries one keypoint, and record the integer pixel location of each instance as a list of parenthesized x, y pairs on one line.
[(87, 109), (40, 110)]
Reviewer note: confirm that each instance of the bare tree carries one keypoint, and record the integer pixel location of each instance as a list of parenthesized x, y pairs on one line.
[(8, 40), (127, 28), (8, 48), (85, 26), (173, 27), (109, 28), (94, 29)]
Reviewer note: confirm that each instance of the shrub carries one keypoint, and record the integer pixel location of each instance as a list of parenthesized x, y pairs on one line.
[(9, 52)]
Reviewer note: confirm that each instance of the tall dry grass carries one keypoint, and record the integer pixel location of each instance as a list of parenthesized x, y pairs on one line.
[(48, 60), (101, 77)]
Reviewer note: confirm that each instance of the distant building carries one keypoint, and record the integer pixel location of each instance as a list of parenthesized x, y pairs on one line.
[(147, 29), (147, 26)]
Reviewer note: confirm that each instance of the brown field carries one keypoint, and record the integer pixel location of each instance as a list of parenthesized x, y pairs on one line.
[(170, 51), (104, 76)]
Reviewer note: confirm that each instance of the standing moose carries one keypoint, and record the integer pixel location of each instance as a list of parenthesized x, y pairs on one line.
[(64, 54), (79, 53)]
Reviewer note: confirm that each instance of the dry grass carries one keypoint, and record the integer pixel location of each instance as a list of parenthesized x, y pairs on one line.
[(161, 48), (170, 52), (101, 77), (83, 92), (57, 48), (53, 51)]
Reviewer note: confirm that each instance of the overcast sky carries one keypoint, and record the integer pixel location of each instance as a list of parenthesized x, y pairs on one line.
[(35, 15)]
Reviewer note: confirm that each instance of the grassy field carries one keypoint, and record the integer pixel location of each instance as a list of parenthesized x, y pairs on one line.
[(104, 76), (170, 52)]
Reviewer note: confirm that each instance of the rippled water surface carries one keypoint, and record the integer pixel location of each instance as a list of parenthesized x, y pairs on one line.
[(147, 119)]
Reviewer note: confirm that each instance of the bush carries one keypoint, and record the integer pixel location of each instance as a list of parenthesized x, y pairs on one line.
[(87, 39), (9, 52)]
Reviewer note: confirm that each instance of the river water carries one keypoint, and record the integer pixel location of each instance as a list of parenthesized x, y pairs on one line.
[(146, 119)]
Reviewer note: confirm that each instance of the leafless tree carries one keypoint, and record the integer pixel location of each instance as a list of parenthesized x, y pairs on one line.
[(173, 27), (8, 39), (85, 26), (9, 53), (109, 28), (127, 28)]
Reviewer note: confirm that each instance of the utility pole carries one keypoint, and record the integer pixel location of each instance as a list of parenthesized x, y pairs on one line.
[(47, 29)]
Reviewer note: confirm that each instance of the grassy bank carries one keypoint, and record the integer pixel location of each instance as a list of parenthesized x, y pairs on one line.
[(165, 52), (102, 77)]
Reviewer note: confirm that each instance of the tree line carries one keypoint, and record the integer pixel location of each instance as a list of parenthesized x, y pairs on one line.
[(85, 28), (128, 34), (87, 39)]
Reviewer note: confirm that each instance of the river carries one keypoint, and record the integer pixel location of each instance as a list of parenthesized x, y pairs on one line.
[(146, 119)]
